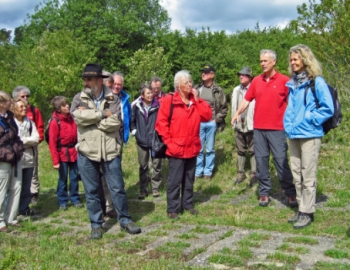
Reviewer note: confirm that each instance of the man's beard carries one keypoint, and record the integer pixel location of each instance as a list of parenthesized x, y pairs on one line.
[(92, 90)]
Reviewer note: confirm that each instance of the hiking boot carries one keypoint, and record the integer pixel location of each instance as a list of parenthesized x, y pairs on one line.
[(131, 228), (294, 218), (78, 205), (240, 177), (173, 216), (96, 233), (155, 193), (28, 213), (63, 208), (207, 177), (192, 211), (5, 229), (292, 201), (264, 201), (142, 195), (253, 179), (111, 214), (303, 221)]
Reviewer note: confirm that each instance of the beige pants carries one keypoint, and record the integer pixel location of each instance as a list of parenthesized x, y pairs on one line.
[(304, 161), (11, 186), (35, 186)]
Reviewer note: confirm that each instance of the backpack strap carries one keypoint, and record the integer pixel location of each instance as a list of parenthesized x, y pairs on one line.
[(171, 108), (313, 91)]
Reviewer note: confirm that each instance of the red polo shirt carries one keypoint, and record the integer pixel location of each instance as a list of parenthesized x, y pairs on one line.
[(270, 101)]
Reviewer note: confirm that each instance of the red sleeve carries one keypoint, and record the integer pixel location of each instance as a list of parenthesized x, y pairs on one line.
[(162, 123), (39, 123), (204, 110), (250, 95), (53, 138)]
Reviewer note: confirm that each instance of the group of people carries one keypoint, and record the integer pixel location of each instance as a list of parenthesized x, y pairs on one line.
[(283, 107), (21, 130), (86, 139)]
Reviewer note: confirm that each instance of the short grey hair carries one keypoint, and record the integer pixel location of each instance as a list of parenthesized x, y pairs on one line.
[(272, 53), (19, 89), (110, 76), (181, 76), (156, 79), (119, 74)]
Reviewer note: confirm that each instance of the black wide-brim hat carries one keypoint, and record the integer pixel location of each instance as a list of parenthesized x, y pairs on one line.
[(93, 70)]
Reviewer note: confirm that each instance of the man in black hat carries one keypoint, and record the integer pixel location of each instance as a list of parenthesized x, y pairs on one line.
[(97, 114), (244, 127), (215, 96)]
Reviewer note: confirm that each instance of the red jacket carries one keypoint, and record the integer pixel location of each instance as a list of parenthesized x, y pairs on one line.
[(39, 123), (68, 135), (182, 137)]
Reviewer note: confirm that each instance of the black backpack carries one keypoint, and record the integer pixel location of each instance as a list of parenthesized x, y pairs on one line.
[(334, 120), (47, 133)]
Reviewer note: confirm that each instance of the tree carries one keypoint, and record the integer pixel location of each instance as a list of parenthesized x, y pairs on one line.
[(5, 36), (326, 28), (145, 63), (114, 29), (51, 67)]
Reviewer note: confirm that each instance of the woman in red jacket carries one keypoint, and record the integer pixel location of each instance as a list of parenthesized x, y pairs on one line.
[(181, 136), (62, 141)]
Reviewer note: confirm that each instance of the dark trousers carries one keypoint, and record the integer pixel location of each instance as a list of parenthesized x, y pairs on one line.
[(274, 141), (181, 175)]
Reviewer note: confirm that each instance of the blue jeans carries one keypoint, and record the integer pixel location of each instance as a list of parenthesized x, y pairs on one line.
[(26, 195), (90, 175), (62, 193), (207, 135)]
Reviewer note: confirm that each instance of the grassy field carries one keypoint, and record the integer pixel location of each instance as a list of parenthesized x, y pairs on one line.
[(49, 242)]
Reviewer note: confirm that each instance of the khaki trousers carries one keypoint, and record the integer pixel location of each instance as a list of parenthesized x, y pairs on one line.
[(304, 161)]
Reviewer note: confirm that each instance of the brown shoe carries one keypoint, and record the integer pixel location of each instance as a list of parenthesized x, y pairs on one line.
[(5, 229), (264, 201), (292, 201), (253, 179), (112, 214), (192, 211), (207, 177), (173, 216), (240, 177), (155, 193)]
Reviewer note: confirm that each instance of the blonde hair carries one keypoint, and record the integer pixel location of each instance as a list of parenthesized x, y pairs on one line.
[(14, 104), (4, 97), (312, 66)]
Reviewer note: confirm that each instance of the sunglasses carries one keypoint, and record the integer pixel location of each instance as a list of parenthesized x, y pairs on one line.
[(27, 96)]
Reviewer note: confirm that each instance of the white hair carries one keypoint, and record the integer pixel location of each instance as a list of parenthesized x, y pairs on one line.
[(181, 76), (272, 53)]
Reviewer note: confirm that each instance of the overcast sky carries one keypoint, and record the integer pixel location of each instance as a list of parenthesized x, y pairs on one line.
[(228, 15)]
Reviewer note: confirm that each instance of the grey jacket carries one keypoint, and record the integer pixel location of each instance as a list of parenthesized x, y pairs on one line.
[(220, 105), (98, 136)]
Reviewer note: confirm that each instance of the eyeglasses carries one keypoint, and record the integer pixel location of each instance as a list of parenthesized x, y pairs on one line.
[(25, 96)]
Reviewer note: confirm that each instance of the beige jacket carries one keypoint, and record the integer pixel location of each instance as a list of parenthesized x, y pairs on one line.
[(249, 121), (98, 136)]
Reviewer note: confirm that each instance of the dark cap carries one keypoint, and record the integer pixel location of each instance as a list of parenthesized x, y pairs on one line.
[(208, 68), (246, 71), (93, 70)]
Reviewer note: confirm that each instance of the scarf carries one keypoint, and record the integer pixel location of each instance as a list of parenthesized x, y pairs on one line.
[(300, 78)]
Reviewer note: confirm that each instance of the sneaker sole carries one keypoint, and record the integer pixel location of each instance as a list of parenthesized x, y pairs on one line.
[(136, 232), (301, 227)]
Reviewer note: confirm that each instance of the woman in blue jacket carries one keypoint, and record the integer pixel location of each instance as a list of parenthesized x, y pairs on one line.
[(303, 126)]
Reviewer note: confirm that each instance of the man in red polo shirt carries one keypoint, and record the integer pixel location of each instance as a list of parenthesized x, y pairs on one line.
[(270, 93)]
